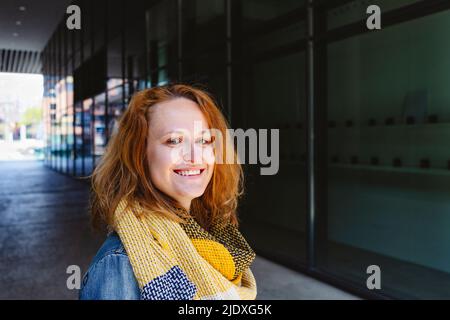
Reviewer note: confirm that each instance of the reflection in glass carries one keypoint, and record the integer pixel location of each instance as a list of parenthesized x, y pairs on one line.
[(388, 147), (354, 11), (115, 108), (161, 41), (274, 95), (79, 168), (87, 136), (99, 136)]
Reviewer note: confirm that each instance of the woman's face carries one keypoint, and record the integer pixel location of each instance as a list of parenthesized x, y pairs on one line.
[(180, 150)]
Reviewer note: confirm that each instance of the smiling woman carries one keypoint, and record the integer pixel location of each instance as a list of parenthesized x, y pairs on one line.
[(169, 207), (181, 160)]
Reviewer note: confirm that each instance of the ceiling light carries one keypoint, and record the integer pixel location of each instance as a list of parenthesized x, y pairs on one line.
[(22, 8), (18, 23), (15, 34)]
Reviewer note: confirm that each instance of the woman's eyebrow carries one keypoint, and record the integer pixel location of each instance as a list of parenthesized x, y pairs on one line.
[(182, 132), (173, 132)]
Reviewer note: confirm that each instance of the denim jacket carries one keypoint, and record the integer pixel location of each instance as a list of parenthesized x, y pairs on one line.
[(110, 275)]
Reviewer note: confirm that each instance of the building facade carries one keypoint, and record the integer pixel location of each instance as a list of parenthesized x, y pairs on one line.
[(363, 117)]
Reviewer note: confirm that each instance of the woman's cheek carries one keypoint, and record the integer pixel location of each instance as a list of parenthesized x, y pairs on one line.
[(173, 155), (162, 158), (208, 155)]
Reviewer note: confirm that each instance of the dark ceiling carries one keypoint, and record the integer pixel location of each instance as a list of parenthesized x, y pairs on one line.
[(25, 27)]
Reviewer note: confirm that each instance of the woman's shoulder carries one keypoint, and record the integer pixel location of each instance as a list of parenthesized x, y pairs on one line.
[(110, 275), (112, 245)]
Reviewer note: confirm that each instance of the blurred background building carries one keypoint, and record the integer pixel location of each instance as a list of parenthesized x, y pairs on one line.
[(363, 115)]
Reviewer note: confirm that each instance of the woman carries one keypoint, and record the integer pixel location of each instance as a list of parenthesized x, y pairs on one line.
[(169, 205)]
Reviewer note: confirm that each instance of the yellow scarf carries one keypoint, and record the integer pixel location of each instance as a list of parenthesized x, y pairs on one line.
[(182, 261)]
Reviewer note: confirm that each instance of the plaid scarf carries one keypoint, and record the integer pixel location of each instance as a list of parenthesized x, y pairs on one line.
[(183, 261)]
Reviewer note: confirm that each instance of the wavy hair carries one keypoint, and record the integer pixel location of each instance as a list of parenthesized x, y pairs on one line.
[(123, 171)]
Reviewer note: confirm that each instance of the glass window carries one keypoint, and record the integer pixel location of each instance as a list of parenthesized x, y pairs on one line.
[(69, 90), (115, 22), (278, 215), (388, 148), (47, 111), (270, 27), (76, 33), (77, 59), (62, 119), (136, 67), (115, 17), (69, 43), (88, 136), (258, 15), (115, 108), (354, 11), (99, 134), (99, 9), (79, 151), (115, 67), (58, 110), (87, 29), (70, 140), (161, 22), (203, 19), (259, 107)]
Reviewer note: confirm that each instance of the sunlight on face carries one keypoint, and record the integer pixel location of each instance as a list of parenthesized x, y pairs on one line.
[(180, 156)]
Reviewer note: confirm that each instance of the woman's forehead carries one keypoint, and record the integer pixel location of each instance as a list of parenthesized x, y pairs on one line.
[(176, 114)]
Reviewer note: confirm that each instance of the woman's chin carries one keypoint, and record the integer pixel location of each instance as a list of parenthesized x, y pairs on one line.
[(191, 194)]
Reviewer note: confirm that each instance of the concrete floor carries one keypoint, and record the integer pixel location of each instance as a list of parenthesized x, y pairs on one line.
[(276, 282), (44, 228)]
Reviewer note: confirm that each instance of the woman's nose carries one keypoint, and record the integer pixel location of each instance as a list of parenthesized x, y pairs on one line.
[(192, 154)]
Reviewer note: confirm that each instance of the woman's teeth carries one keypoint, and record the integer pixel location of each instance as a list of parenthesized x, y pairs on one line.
[(188, 172)]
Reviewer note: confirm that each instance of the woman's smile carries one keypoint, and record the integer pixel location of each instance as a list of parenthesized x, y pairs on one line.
[(189, 172)]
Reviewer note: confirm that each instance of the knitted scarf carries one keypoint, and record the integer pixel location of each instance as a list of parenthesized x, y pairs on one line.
[(183, 261)]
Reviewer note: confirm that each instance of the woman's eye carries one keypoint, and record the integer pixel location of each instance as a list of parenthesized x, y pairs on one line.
[(206, 141), (174, 141)]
